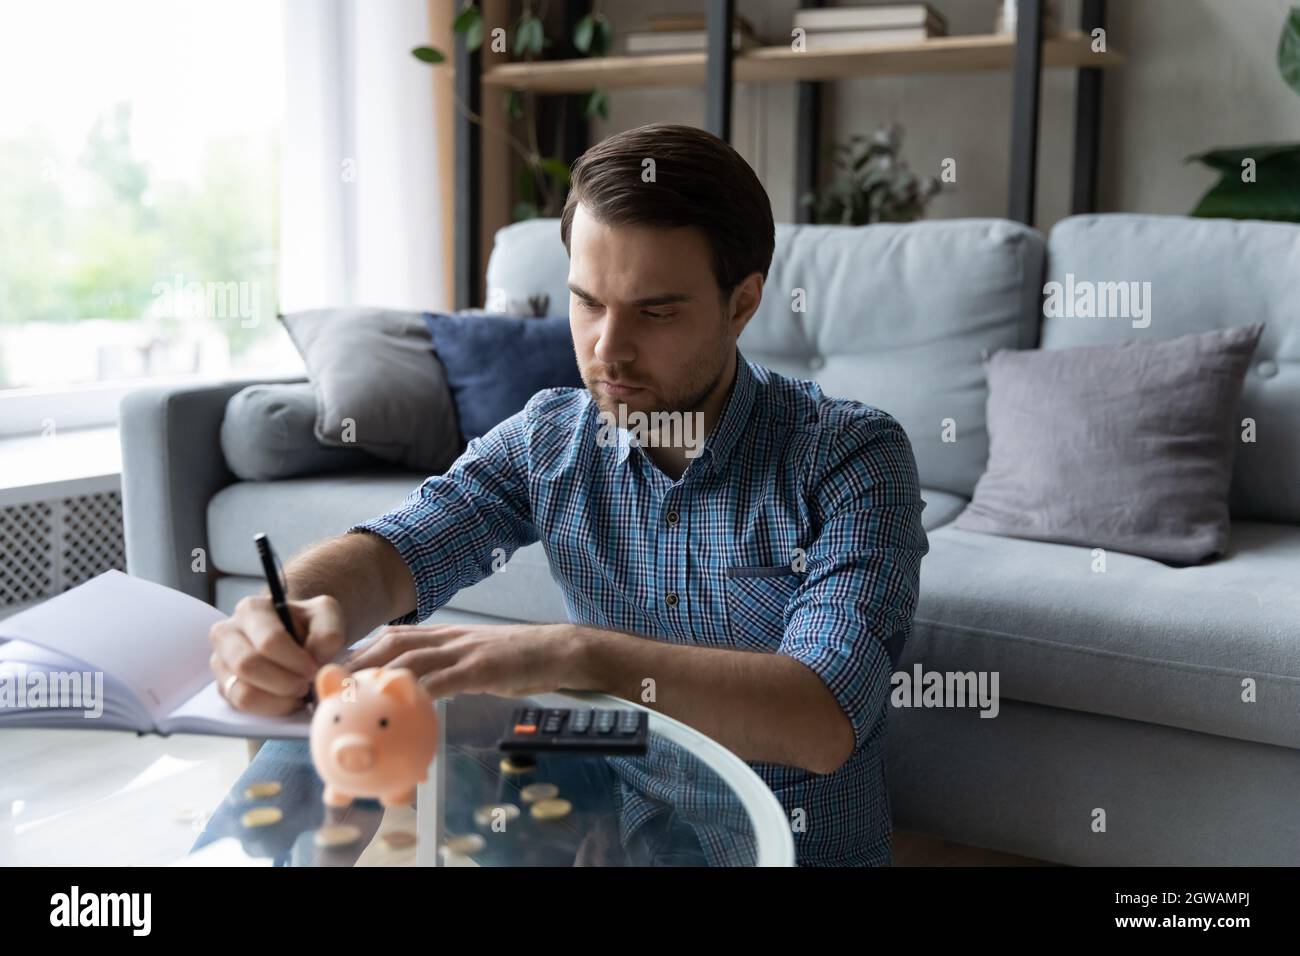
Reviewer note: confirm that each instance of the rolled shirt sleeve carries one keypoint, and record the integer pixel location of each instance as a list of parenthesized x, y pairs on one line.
[(449, 529), (856, 602)]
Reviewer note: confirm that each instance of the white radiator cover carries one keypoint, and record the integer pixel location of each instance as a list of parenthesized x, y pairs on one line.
[(49, 545)]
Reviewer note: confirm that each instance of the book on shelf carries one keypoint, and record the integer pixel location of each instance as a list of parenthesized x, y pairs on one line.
[(683, 41), (852, 39), (661, 22), (883, 16)]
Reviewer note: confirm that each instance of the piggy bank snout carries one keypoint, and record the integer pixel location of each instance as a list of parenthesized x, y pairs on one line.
[(353, 753)]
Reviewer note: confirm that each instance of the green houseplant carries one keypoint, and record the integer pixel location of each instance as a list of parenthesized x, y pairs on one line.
[(872, 183), (542, 179), (1259, 182)]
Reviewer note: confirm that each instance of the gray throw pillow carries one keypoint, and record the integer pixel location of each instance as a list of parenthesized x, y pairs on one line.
[(379, 386), (268, 434), (1125, 447)]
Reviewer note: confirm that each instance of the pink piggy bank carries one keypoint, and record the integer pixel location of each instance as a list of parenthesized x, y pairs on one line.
[(373, 734)]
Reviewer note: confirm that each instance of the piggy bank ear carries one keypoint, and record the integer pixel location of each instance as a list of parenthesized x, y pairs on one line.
[(329, 679), (398, 683)]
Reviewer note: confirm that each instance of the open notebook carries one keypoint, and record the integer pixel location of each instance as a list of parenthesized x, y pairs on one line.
[(148, 643)]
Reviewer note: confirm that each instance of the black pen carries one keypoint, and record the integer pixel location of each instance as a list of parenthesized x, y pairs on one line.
[(278, 599)]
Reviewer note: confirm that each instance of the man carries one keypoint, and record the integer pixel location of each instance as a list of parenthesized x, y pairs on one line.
[(764, 582)]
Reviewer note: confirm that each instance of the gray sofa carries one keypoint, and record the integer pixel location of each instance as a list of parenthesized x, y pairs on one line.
[(1121, 692)]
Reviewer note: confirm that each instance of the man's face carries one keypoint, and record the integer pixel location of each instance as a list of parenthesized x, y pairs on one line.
[(646, 313)]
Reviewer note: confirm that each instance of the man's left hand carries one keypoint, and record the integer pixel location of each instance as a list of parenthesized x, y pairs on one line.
[(515, 660)]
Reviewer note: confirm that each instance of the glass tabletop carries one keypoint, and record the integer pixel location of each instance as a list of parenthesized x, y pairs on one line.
[(687, 802)]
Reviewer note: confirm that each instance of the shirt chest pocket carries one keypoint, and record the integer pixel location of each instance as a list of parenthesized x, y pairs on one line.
[(756, 603)]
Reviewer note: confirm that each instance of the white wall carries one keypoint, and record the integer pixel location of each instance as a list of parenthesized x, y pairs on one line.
[(1197, 74)]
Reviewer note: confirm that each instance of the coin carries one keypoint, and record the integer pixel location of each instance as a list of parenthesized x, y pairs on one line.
[(465, 845), (485, 815), (517, 764), (261, 789), (337, 834), (539, 791), (261, 817), (551, 809), (398, 839)]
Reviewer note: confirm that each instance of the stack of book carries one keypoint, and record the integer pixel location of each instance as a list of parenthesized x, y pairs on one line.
[(685, 33), (876, 25)]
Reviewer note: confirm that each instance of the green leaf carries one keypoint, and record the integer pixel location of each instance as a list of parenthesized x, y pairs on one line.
[(525, 210), (514, 104), (468, 16), (603, 41), (597, 105), (1274, 195), (1229, 158), (427, 54), (529, 36), (474, 35), (557, 169), (583, 33), (1288, 50)]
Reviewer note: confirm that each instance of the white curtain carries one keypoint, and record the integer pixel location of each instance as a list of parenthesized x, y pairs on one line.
[(360, 223)]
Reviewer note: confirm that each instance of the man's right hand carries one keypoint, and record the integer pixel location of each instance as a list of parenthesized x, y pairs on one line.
[(271, 673)]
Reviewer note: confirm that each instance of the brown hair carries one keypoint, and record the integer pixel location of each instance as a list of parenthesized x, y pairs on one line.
[(699, 181)]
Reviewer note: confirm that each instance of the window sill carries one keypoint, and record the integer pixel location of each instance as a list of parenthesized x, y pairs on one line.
[(71, 462)]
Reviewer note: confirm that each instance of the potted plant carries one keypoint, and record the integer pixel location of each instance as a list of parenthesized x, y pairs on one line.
[(1259, 182), (542, 179), (872, 183)]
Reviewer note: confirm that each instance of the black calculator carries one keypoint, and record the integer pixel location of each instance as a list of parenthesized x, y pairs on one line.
[(603, 730)]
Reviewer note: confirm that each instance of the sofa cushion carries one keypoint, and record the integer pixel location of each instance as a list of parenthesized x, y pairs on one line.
[(1115, 446), (1204, 274), (268, 433), (296, 512), (495, 363), (897, 316), (1140, 640), (378, 385), (940, 507)]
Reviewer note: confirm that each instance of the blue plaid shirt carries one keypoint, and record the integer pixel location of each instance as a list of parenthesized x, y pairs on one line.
[(796, 530)]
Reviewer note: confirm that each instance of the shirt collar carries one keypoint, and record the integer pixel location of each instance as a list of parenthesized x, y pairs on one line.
[(735, 415), (726, 430)]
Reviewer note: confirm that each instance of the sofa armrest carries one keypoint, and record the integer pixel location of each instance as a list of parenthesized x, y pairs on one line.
[(172, 465)]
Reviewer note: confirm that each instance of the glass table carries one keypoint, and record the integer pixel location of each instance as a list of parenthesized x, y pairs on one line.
[(687, 802)]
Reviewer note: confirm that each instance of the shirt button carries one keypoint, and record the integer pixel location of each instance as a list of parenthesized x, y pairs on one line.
[(671, 598), (672, 517)]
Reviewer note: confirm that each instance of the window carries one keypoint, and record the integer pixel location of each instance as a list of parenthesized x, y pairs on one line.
[(139, 192)]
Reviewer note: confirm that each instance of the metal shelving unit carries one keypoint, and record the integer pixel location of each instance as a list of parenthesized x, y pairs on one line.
[(719, 68)]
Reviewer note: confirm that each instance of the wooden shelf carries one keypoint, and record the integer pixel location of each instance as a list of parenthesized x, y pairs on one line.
[(780, 63)]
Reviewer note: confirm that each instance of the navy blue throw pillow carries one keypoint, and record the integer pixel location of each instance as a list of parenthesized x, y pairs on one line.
[(496, 363)]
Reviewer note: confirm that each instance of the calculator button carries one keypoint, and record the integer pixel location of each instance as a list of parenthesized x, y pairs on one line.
[(580, 723), (525, 728)]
